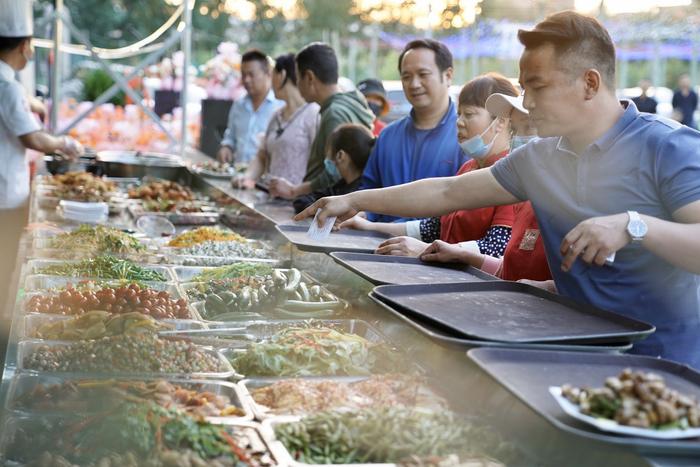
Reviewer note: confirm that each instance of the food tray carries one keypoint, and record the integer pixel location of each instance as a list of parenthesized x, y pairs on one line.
[(42, 282), (238, 335), (202, 262), (24, 383), (241, 318), (268, 431), (247, 385), (529, 374), (266, 329), (269, 311), (26, 347), (439, 335), (400, 270), (28, 427), (511, 312), (34, 265), (42, 247), (207, 217), (33, 321), (355, 241), (184, 274)]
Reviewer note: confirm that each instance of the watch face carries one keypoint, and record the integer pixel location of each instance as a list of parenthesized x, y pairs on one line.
[(637, 229)]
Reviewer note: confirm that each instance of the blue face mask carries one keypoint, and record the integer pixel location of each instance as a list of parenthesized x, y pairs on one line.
[(475, 147), (518, 141), (332, 169)]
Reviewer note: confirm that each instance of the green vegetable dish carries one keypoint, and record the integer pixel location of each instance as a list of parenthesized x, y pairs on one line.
[(233, 271), (104, 267), (135, 434), (95, 240), (386, 435), (318, 351)]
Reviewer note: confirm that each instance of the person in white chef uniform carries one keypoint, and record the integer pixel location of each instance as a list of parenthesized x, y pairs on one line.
[(19, 130)]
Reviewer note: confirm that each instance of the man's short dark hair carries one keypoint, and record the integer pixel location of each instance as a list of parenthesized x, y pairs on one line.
[(580, 42), (255, 55), (11, 43), (443, 56), (319, 58)]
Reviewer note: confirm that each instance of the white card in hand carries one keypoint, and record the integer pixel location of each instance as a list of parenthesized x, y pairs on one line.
[(320, 233), (610, 259)]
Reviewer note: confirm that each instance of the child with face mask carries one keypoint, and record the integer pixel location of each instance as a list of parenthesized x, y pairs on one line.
[(485, 138), (348, 150)]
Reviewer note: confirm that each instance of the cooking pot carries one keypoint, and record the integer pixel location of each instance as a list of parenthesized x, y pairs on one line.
[(137, 164)]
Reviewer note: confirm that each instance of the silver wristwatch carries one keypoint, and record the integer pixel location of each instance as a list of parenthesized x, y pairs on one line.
[(636, 227)]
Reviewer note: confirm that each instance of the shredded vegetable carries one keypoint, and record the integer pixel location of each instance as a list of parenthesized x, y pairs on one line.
[(104, 267), (96, 240), (310, 351), (203, 234)]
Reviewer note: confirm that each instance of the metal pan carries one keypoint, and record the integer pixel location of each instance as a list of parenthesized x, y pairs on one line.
[(354, 241), (33, 321), (23, 438), (439, 335), (34, 266), (511, 312), (528, 375), (23, 386), (25, 348), (401, 270)]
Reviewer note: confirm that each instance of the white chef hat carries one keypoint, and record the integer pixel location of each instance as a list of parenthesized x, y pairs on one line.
[(16, 18)]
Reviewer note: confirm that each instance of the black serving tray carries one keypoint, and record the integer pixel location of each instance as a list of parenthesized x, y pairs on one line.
[(528, 374), (355, 241), (401, 270), (439, 335), (512, 312)]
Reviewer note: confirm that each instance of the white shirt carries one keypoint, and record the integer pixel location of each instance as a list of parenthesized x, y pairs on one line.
[(16, 119)]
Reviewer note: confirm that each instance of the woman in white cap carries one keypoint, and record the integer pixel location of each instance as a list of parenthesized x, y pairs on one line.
[(19, 130), (524, 258)]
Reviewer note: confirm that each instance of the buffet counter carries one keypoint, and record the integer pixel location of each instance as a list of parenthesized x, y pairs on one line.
[(504, 430)]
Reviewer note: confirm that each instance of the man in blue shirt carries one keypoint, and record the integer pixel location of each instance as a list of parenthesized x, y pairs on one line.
[(603, 179), (424, 143), (250, 115)]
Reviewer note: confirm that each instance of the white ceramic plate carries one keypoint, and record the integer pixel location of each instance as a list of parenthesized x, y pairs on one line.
[(613, 427)]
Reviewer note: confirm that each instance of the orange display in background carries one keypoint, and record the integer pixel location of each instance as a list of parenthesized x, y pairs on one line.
[(112, 127)]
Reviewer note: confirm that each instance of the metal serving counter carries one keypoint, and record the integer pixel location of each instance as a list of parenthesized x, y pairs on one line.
[(469, 390)]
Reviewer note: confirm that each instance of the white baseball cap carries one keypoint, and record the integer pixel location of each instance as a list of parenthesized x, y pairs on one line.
[(16, 18), (501, 105)]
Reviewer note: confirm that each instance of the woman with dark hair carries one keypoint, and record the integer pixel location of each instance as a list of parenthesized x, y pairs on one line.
[(284, 151), (348, 151)]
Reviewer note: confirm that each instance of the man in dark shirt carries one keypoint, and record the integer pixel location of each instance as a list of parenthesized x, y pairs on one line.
[(643, 102), (685, 101)]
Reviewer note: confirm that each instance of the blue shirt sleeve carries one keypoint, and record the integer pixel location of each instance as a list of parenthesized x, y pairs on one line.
[(678, 168)]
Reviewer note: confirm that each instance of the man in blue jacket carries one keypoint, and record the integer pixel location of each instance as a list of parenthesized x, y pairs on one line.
[(424, 143)]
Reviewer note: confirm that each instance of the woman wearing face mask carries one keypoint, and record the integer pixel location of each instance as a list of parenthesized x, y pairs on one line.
[(284, 151), (348, 148), (485, 138), (524, 258)]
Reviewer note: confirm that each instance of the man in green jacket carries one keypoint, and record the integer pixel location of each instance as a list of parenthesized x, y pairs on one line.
[(317, 71)]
